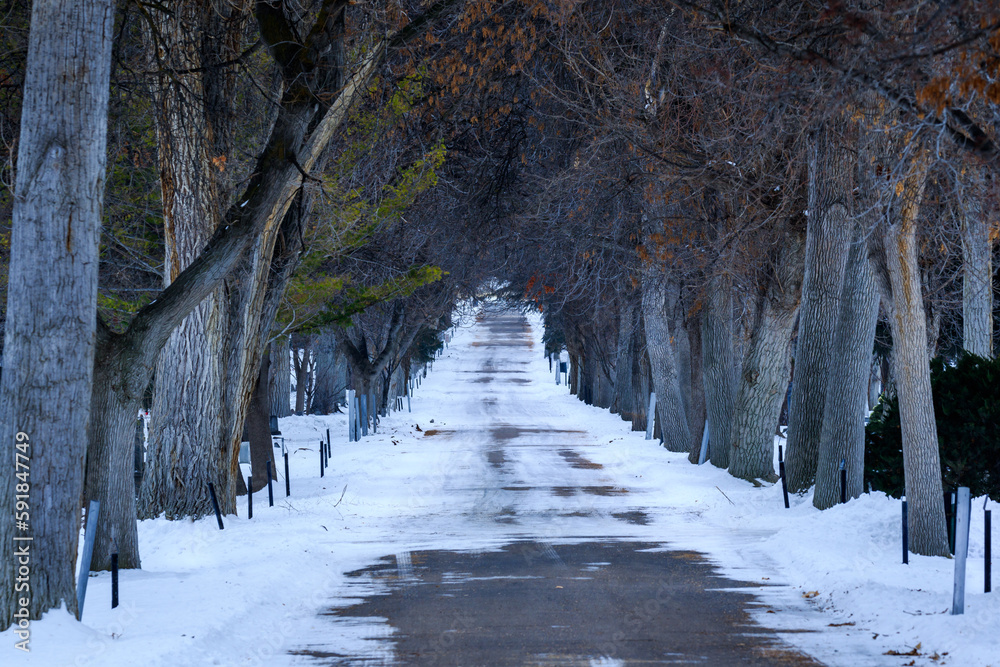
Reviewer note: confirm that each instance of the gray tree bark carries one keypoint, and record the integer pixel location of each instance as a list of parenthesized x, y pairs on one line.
[(597, 363), (874, 379), (331, 375), (623, 403), (258, 427), (193, 105), (301, 363), (831, 179), (691, 329), (641, 384), (252, 406), (977, 270), (895, 257), (663, 365), (843, 435), (766, 364), (109, 468), (279, 388), (52, 299), (719, 368)]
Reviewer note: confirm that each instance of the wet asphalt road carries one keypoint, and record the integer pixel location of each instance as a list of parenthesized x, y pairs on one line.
[(603, 600)]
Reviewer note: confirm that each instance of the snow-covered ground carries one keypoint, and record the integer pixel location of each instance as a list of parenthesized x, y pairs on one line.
[(254, 592)]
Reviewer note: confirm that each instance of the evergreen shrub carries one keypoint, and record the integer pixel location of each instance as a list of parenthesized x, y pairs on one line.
[(967, 412)]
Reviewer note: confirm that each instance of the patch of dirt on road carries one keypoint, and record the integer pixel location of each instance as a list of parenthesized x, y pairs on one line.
[(604, 490), (578, 461), (513, 343), (496, 458), (635, 517), (510, 432)]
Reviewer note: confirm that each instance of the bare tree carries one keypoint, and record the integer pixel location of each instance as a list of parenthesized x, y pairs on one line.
[(52, 299), (831, 182)]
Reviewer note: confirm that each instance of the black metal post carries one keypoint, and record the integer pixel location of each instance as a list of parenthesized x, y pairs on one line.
[(215, 504), (906, 536), (322, 467), (987, 556), (843, 483), (949, 516), (114, 580), (250, 497), (288, 482), (270, 491), (784, 482), (328, 444)]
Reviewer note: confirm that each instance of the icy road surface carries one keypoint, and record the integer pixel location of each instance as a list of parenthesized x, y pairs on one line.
[(556, 577)]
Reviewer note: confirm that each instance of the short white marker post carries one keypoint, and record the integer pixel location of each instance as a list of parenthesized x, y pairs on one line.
[(962, 511), (651, 415), (350, 415), (357, 420), (703, 456), (363, 403), (90, 536)]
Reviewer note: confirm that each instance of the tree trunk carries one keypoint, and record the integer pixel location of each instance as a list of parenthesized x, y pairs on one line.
[(258, 427), (186, 422), (977, 268), (279, 388), (874, 378), (766, 366), (254, 298), (843, 434), (831, 169), (640, 381), (300, 363), (191, 131), (696, 406), (898, 265), (586, 379), (623, 402), (117, 396), (597, 364), (719, 368), (331, 375), (52, 300), (663, 364), (574, 371)]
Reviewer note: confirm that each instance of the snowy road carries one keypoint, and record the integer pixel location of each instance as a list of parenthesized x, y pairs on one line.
[(520, 527), (560, 566)]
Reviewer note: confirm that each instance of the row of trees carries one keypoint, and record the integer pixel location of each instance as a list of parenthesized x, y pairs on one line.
[(699, 196), (258, 122), (746, 191)]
